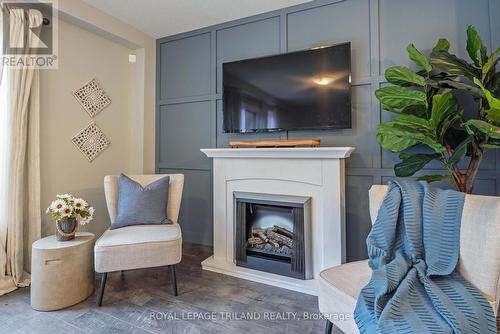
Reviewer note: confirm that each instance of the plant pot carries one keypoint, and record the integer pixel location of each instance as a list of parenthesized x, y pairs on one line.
[(66, 229)]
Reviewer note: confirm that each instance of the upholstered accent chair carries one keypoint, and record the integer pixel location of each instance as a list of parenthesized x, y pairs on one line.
[(479, 261), (140, 246)]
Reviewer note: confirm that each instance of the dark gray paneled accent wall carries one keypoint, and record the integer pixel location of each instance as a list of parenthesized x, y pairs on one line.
[(189, 89)]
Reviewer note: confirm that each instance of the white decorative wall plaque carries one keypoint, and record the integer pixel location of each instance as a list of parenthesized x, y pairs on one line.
[(92, 97), (91, 141)]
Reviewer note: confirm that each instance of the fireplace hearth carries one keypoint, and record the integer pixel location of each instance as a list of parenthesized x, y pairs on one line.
[(272, 234)]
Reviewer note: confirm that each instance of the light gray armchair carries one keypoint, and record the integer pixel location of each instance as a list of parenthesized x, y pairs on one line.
[(479, 261), (140, 246)]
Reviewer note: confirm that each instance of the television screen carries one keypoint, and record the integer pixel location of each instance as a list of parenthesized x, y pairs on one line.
[(294, 91)]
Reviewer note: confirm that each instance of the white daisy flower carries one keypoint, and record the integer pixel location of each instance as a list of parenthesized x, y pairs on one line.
[(64, 196), (91, 211), (57, 205), (79, 204), (86, 220), (66, 211)]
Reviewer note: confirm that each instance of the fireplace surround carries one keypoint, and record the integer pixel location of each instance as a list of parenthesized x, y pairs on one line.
[(313, 173), (273, 233)]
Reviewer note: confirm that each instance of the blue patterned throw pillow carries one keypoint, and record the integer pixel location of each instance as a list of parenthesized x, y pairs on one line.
[(139, 205)]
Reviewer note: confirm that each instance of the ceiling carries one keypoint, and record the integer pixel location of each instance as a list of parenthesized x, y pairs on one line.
[(160, 18)]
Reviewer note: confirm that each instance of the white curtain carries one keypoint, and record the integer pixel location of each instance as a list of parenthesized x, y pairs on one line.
[(20, 215)]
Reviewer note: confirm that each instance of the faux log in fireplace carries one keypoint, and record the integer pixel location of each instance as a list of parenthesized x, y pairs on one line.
[(273, 234)]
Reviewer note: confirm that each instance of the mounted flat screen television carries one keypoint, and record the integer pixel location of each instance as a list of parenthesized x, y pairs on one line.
[(295, 91)]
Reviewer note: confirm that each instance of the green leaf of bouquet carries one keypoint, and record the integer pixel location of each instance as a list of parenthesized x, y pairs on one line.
[(396, 98), (418, 58), (452, 65), (474, 45), (434, 178), (442, 45), (412, 163), (403, 76), (484, 127), (443, 105)]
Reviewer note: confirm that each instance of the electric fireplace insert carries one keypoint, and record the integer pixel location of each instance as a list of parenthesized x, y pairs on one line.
[(273, 234)]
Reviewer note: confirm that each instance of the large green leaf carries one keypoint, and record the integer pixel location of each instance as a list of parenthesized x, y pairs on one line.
[(490, 146), (396, 98), (418, 58), (412, 163), (418, 110), (491, 63), (403, 76), (451, 64), (414, 122), (394, 139), (493, 112), (443, 105), (434, 178), (474, 45), (405, 131), (442, 45), (493, 115), (494, 84), (460, 85), (448, 123), (460, 151), (419, 129), (484, 127)]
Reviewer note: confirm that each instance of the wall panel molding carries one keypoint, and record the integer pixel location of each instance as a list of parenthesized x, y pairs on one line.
[(379, 30)]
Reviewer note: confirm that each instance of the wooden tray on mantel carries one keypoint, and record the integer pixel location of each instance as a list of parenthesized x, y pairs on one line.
[(310, 142)]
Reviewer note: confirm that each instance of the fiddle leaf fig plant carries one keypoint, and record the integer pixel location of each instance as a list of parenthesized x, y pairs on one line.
[(429, 114)]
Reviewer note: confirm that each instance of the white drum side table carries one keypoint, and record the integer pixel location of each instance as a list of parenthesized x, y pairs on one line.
[(62, 272)]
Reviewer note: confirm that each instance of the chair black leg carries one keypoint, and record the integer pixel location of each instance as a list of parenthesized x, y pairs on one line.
[(329, 327), (101, 290), (174, 279)]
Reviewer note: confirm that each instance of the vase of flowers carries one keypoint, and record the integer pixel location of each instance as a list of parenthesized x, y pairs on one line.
[(68, 212)]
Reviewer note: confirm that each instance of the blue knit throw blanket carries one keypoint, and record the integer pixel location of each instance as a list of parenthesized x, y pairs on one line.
[(413, 250)]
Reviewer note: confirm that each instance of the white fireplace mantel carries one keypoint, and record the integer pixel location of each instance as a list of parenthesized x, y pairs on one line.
[(317, 173), (283, 153)]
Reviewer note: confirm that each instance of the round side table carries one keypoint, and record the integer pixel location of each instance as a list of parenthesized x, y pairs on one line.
[(62, 272)]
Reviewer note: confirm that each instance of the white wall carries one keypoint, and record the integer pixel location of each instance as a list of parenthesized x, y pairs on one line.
[(84, 55), (95, 44), (81, 14)]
